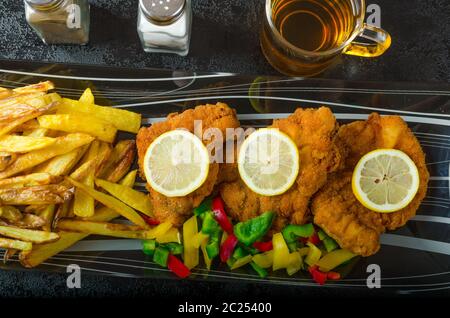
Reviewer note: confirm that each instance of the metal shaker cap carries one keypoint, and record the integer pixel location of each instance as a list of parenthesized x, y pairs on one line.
[(162, 11)]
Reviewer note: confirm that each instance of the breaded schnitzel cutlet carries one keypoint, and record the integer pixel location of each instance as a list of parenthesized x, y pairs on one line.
[(337, 211), (178, 209), (313, 131)]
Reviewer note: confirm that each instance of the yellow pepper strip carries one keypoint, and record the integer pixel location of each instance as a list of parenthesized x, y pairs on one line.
[(295, 263), (190, 230), (334, 259), (199, 239), (224, 237), (303, 251), (172, 235), (208, 261), (314, 254), (264, 260), (241, 262), (280, 252)]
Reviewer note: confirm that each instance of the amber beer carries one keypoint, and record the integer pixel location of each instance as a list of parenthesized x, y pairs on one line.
[(303, 37)]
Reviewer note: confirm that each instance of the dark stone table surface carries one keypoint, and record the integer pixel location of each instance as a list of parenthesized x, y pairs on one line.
[(225, 38)]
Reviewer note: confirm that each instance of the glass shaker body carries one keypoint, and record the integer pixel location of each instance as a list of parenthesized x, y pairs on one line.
[(59, 21), (172, 36)]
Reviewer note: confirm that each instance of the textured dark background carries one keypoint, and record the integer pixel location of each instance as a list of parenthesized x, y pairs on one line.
[(225, 38)]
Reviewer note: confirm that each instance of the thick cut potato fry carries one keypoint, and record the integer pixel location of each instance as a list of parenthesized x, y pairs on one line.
[(29, 180), (112, 203), (83, 203), (10, 213), (38, 132), (87, 99), (26, 235), (129, 179), (137, 200), (47, 215), (15, 244), (42, 252), (28, 126), (121, 119), (100, 152), (46, 194), (39, 87), (41, 101), (62, 165), (79, 123), (6, 159), (120, 161), (106, 229), (14, 143), (62, 145)]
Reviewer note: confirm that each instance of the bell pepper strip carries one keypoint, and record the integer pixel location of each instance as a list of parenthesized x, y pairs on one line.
[(148, 247), (213, 245), (322, 235), (210, 225), (177, 267), (250, 249), (330, 244), (295, 263), (206, 257), (160, 256), (292, 232), (259, 270), (318, 276), (264, 260), (227, 248), (250, 231), (220, 215), (293, 246), (172, 235), (303, 251), (149, 220), (314, 254), (160, 230), (241, 262), (239, 252), (199, 238), (333, 275), (281, 256), (190, 254), (174, 248), (334, 259), (224, 237), (203, 207), (263, 246)]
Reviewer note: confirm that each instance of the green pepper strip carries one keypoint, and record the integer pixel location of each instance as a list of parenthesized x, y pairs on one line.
[(149, 247), (210, 225), (161, 255), (213, 246), (259, 270), (203, 207), (239, 252), (174, 248), (250, 231), (292, 232)]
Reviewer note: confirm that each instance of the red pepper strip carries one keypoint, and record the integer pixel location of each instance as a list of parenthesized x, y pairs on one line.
[(227, 248), (177, 267), (333, 275), (263, 246), (149, 220), (317, 275), (221, 216), (314, 239)]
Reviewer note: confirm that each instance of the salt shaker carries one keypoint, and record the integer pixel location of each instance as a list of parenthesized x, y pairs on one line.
[(59, 21), (165, 25)]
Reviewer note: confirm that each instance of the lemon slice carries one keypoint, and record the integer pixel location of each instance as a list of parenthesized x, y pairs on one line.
[(176, 163), (268, 162), (385, 180)]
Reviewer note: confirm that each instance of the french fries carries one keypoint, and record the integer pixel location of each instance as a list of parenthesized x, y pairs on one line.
[(15, 244), (46, 194), (6, 159), (112, 203), (120, 161), (79, 123), (133, 198), (10, 213), (29, 180), (26, 235), (14, 143), (122, 119), (62, 165), (104, 228), (31, 159)]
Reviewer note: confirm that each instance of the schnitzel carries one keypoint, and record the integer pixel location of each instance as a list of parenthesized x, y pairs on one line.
[(337, 211), (313, 131), (178, 209)]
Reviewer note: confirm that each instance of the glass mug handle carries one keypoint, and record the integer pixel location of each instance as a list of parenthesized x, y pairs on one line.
[(379, 39)]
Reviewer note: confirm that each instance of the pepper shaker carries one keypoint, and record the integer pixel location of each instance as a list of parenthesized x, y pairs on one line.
[(59, 21), (165, 25)]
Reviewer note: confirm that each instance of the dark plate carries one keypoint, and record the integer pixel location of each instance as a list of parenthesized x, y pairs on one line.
[(415, 258)]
